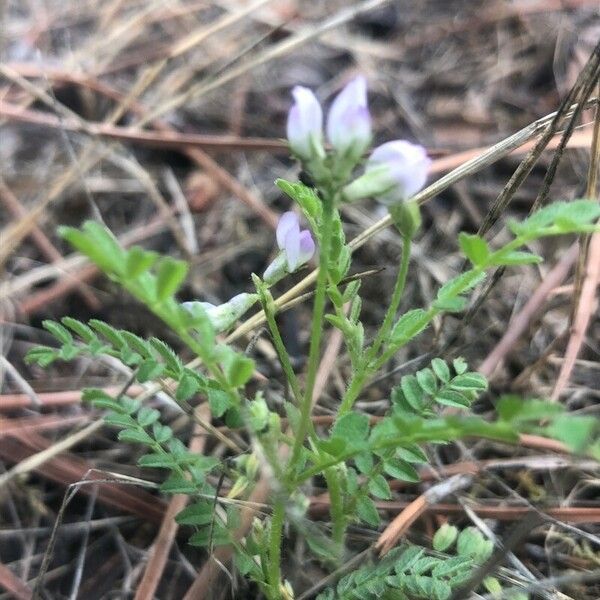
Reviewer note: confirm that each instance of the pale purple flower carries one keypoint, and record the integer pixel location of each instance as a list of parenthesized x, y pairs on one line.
[(298, 245), (349, 121), (305, 124), (394, 172), (296, 248)]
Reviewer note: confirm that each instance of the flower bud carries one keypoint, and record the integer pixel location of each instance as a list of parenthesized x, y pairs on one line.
[(296, 248), (407, 218), (225, 315), (395, 171), (305, 125), (349, 121)]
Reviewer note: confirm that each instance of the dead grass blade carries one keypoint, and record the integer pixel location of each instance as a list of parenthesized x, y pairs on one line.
[(35, 461), (67, 468), (586, 301), (301, 38), (532, 308)]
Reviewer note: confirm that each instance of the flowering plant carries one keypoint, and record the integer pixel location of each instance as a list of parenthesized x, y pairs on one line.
[(355, 457)]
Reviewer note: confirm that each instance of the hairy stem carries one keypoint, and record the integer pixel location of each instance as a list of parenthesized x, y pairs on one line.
[(316, 328), (274, 568), (365, 370), (390, 314), (282, 353)]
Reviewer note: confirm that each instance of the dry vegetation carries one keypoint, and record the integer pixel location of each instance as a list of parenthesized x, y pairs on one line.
[(163, 119)]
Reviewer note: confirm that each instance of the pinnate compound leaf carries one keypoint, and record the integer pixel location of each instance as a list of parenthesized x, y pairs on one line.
[(568, 217)]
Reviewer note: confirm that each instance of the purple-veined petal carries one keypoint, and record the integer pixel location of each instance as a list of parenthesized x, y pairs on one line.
[(287, 222), (305, 122), (348, 120), (307, 246), (406, 171), (291, 248)]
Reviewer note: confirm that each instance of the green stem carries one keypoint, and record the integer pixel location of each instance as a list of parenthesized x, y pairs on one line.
[(366, 368), (443, 431), (210, 365), (354, 388), (390, 314), (316, 328), (274, 568), (282, 353)]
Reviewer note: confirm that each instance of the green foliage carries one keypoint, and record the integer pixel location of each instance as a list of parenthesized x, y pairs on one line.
[(578, 432), (359, 457), (151, 359), (391, 447), (186, 471), (560, 218), (409, 326), (412, 573), (444, 537), (152, 279), (141, 425), (438, 385)]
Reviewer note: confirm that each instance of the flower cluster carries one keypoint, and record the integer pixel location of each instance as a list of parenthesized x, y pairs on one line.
[(394, 172), (348, 126)]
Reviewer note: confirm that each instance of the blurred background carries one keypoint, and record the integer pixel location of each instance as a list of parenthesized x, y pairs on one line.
[(165, 120)]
